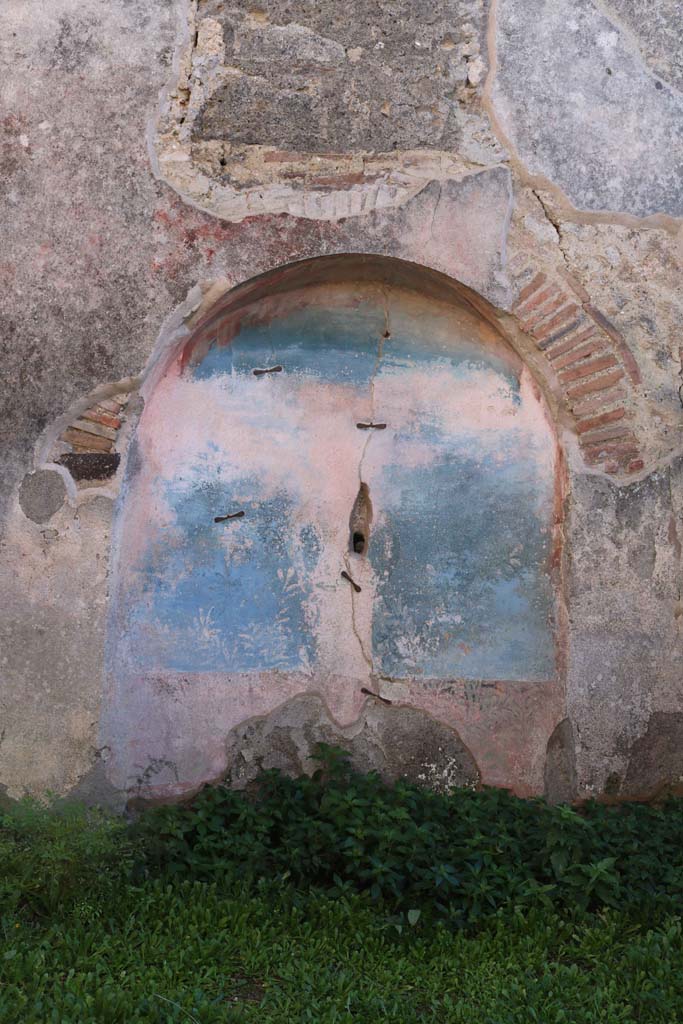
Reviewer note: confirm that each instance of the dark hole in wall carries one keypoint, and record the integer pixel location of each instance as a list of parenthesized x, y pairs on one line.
[(90, 465), (359, 521)]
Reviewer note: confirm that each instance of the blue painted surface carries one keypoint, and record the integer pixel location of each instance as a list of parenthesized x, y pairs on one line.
[(200, 610), (461, 558), (450, 603), (461, 539), (338, 345)]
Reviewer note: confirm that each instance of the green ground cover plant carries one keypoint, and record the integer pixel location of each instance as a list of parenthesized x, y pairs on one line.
[(461, 856), (338, 899)]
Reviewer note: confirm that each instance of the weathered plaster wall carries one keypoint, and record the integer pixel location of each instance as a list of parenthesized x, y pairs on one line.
[(455, 579), (530, 151)]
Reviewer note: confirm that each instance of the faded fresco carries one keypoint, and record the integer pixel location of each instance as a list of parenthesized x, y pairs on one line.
[(363, 432)]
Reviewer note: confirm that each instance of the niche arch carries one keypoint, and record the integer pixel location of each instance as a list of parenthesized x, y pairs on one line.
[(346, 483)]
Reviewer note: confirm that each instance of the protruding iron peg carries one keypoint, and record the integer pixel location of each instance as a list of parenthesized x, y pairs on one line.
[(258, 372), (371, 426), (231, 515), (371, 693), (353, 583)]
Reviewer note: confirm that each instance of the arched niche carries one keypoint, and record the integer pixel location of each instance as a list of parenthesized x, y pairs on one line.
[(344, 483)]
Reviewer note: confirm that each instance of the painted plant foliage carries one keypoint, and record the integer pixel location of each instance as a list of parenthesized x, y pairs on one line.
[(459, 474)]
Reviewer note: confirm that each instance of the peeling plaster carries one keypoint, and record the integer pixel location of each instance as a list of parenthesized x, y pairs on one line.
[(234, 181)]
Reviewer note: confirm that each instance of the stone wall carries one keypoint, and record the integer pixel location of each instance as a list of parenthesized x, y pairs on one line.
[(158, 157)]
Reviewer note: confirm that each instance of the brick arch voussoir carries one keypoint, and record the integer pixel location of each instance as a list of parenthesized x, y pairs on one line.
[(591, 367)]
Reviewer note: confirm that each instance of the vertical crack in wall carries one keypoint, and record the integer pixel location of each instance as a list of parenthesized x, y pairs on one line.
[(676, 543), (367, 658), (384, 334)]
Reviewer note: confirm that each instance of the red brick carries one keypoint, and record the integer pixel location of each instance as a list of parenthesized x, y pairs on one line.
[(529, 289), (626, 354), (626, 445), (563, 332), (283, 156), (102, 417), (567, 313), (586, 369), (597, 384), (613, 433), (108, 404), (336, 180), (569, 343), (598, 401), (523, 309), (622, 453), (88, 427), (584, 426), (635, 466), (542, 311), (582, 352), (575, 286), (87, 442)]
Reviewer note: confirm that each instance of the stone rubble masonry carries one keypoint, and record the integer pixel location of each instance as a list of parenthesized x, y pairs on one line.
[(296, 108)]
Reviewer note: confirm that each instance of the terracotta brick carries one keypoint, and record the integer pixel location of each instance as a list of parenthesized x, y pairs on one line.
[(87, 442), (532, 319), (569, 343), (543, 296), (562, 333), (575, 355), (602, 383), (81, 449), (623, 453), (584, 426), (599, 401), (612, 433), (108, 404), (620, 442), (623, 349), (282, 156), (88, 427), (586, 369), (546, 329), (105, 419), (529, 289), (338, 180), (575, 286)]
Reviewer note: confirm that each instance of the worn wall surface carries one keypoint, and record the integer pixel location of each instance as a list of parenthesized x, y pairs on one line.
[(516, 163), (351, 492)]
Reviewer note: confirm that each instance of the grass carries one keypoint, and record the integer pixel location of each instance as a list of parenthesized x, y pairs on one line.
[(337, 899), (191, 951)]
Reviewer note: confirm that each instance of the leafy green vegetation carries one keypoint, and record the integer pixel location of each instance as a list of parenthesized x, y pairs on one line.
[(337, 899), (461, 856), (213, 953)]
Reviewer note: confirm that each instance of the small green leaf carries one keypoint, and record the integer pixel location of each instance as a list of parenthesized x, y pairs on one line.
[(413, 917)]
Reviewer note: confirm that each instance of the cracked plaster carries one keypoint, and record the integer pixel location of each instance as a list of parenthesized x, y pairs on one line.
[(614, 140), (81, 305)]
